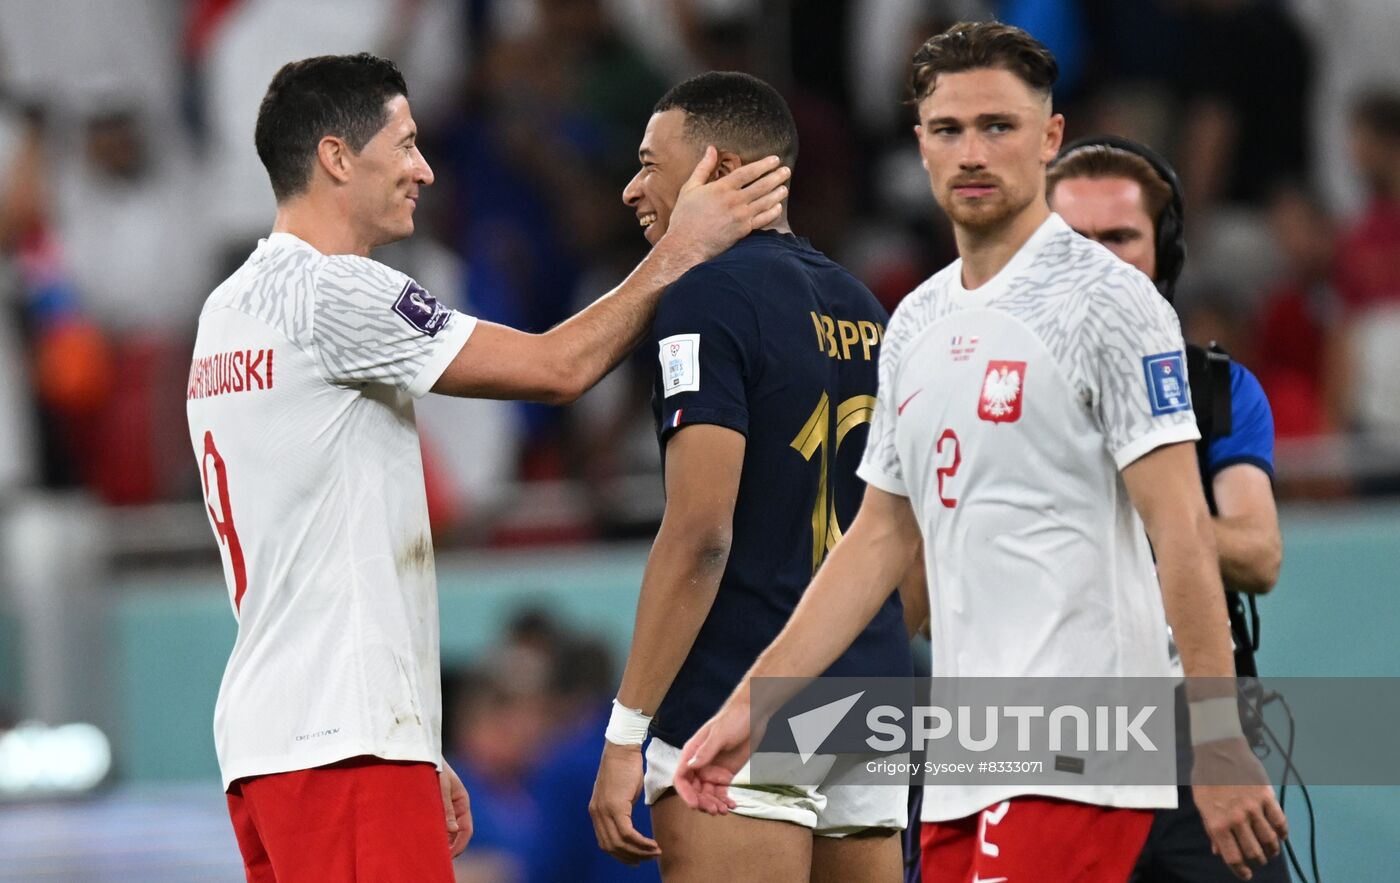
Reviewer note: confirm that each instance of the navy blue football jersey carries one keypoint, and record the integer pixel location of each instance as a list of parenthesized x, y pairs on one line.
[(776, 341)]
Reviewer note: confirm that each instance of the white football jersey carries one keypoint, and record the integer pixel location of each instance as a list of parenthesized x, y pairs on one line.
[(1005, 414), (300, 405)]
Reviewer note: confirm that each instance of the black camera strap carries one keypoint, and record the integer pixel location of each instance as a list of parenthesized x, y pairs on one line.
[(1208, 370)]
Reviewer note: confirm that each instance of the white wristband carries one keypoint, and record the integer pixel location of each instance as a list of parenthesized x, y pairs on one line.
[(1215, 719), (626, 726)]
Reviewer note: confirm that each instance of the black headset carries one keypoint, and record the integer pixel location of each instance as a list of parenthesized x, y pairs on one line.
[(1170, 224)]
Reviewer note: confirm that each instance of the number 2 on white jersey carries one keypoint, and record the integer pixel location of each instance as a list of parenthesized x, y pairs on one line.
[(950, 458)]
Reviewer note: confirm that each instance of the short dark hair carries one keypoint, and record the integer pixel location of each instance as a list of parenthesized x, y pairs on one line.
[(340, 95), (1379, 111), (974, 45), (737, 112), (1105, 161)]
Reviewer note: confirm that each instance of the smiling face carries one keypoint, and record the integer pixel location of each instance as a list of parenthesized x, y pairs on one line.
[(1110, 211), (667, 158), (985, 138), (389, 174)]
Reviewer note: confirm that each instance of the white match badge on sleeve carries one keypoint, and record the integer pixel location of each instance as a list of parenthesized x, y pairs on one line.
[(680, 364)]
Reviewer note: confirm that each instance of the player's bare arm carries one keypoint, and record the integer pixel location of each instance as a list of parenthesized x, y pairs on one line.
[(1167, 494), (682, 576), (1246, 528), (564, 362), (852, 583), (1244, 821), (913, 594)]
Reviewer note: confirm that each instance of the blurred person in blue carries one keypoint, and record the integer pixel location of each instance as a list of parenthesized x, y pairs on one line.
[(584, 681), (498, 725), (1124, 196), (767, 363), (531, 161), (522, 729)]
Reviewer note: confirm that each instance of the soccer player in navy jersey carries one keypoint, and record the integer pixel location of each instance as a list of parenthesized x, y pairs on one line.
[(766, 375)]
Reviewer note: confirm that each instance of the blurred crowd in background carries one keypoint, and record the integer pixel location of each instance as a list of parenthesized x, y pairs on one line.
[(129, 187)]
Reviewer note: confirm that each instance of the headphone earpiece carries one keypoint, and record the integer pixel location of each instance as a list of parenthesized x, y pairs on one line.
[(1170, 224)]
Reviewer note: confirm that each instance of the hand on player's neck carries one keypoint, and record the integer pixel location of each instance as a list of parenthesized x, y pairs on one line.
[(730, 161), (780, 225), (985, 253)]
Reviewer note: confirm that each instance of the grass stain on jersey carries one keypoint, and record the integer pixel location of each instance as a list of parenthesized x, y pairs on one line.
[(417, 555)]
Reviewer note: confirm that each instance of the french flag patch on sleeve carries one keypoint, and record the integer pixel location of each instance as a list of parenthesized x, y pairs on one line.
[(675, 419), (1167, 386)]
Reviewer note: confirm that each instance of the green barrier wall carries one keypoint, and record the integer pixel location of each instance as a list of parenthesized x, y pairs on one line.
[(174, 635), (1334, 613)]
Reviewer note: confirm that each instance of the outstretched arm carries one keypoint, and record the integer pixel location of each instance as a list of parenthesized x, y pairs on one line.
[(561, 364)]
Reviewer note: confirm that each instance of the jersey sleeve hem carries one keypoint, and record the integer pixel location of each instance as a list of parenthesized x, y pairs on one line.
[(882, 480), (1243, 459), (1138, 447), (683, 417), (457, 332)]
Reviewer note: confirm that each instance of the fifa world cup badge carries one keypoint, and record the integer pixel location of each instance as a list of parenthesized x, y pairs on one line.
[(680, 364)]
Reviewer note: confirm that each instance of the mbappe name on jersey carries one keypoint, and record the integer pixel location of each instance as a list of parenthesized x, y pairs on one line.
[(844, 339)]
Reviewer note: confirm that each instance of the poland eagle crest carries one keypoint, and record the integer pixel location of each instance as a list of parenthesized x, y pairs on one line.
[(1001, 392)]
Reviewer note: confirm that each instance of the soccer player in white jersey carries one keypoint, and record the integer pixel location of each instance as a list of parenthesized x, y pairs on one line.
[(1031, 421), (305, 368)]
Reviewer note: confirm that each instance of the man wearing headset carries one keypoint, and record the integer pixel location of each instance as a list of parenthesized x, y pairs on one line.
[(1126, 197)]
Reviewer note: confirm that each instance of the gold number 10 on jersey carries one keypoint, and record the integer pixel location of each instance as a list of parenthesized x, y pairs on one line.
[(814, 437)]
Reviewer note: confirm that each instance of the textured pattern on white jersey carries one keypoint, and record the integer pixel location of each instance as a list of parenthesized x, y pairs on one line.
[(1090, 309), (278, 291), (341, 306), (358, 339), (1006, 414)]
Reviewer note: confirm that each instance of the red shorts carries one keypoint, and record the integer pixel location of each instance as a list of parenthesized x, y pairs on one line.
[(362, 819), (1036, 840)]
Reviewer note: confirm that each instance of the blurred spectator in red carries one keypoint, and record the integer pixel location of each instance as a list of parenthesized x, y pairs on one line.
[(1369, 270), (127, 217), (1364, 386), (1298, 314)]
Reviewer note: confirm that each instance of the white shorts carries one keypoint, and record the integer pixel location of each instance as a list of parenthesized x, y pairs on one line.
[(828, 810)]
